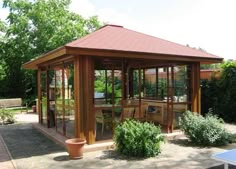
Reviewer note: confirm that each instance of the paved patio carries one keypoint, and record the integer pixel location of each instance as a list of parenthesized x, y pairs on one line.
[(30, 149)]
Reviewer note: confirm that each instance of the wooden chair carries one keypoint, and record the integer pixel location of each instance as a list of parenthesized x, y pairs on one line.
[(128, 113), (141, 116), (102, 119)]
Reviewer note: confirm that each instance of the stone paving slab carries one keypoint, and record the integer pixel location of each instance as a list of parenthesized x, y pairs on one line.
[(32, 150), (24, 142), (5, 159)]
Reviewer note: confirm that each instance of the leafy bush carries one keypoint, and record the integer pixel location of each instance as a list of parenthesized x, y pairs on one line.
[(220, 93), (6, 116), (208, 131), (137, 139)]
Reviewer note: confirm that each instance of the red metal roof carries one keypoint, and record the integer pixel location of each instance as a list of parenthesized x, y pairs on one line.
[(113, 37)]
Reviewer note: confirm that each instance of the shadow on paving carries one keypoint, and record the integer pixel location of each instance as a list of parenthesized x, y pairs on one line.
[(114, 155), (24, 141), (222, 167)]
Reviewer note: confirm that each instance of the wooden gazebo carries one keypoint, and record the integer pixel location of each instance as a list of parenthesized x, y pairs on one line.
[(67, 82)]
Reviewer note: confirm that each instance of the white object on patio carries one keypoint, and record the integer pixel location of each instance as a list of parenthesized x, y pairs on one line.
[(227, 157)]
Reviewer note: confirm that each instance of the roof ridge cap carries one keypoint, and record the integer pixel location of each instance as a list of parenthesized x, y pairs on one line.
[(113, 25)]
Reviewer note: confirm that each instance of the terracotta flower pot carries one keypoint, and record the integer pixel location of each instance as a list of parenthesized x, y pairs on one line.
[(75, 147)]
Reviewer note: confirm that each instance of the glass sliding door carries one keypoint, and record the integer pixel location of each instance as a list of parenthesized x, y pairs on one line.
[(51, 97), (181, 92), (107, 101), (69, 100), (59, 104)]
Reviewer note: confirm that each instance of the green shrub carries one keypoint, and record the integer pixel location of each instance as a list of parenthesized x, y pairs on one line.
[(133, 138), (208, 131), (220, 94), (6, 116)]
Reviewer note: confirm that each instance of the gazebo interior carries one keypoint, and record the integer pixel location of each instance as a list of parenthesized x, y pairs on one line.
[(146, 90)]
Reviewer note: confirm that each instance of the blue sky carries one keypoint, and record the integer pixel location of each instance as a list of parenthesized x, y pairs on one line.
[(209, 24)]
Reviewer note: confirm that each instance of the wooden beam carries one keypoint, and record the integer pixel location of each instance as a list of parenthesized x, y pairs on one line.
[(33, 64), (141, 55), (65, 50), (58, 61)]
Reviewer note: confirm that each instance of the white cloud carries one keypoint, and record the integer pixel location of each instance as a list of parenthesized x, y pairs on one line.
[(106, 15), (83, 7)]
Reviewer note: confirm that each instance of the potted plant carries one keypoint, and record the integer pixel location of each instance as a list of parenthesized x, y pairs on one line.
[(75, 147)]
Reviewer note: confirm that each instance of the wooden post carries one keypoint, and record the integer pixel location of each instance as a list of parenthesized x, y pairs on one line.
[(157, 82), (124, 77), (39, 95), (172, 99), (130, 82), (81, 84), (144, 89), (189, 85), (87, 94), (55, 82), (139, 91), (113, 97), (196, 102), (77, 90), (167, 94), (63, 100), (198, 88), (47, 91), (123, 88), (106, 85)]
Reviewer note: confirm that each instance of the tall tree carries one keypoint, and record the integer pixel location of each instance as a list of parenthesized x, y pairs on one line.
[(31, 29)]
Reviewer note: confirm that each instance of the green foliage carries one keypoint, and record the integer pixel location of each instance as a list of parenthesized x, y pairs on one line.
[(137, 139), (220, 94), (210, 66), (6, 116), (208, 131), (100, 84), (150, 89), (31, 29)]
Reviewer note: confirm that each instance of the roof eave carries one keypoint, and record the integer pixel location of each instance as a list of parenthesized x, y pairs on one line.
[(141, 55), (33, 64)]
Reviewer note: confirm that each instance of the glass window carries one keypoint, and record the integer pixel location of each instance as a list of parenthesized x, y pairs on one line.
[(69, 100)]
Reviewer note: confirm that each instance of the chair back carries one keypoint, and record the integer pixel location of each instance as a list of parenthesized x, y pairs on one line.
[(99, 116), (128, 113), (141, 115)]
